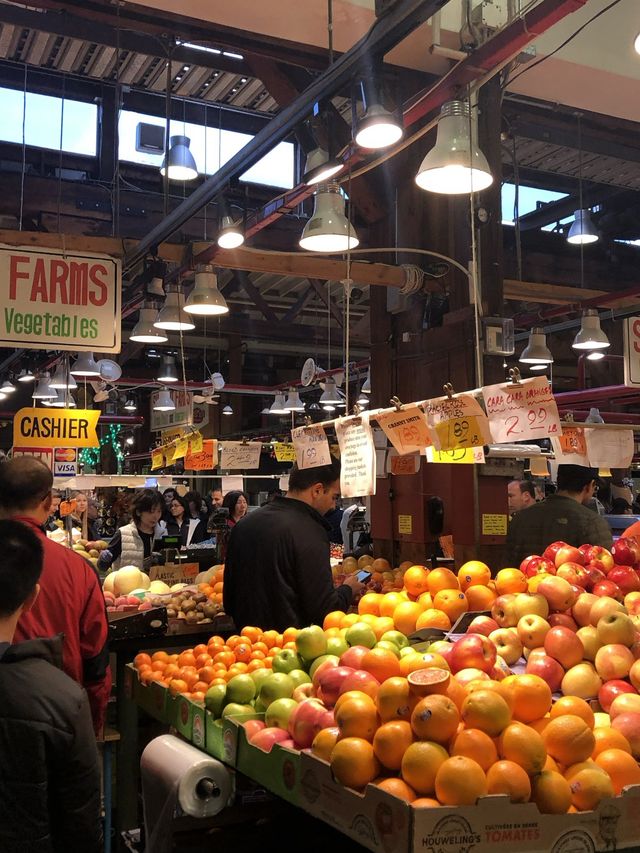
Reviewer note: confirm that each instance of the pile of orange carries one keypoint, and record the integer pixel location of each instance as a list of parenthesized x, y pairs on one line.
[(193, 671), (213, 589)]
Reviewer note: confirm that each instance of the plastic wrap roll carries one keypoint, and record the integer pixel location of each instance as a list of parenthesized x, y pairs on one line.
[(178, 778)]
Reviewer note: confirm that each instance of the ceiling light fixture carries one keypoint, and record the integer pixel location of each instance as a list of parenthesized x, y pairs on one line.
[(596, 355), (379, 126), (454, 165), (231, 234), (130, 405), (157, 270), (320, 167), (328, 230), (582, 230), (164, 402), (227, 410), (205, 299), (172, 315), (7, 387), (363, 399), (62, 380), (536, 351), (590, 336), (43, 391), (179, 164), (85, 365), (278, 406), (293, 402), (330, 398), (26, 375), (541, 366), (168, 371), (144, 331)]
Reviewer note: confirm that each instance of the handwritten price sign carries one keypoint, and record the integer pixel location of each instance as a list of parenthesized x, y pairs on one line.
[(407, 430), (522, 412), (311, 446), (457, 422), (458, 456)]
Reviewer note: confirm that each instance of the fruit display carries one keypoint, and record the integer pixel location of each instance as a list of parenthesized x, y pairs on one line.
[(90, 550), (383, 578)]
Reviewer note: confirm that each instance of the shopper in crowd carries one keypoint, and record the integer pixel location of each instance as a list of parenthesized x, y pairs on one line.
[(168, 495), (237, 503), (520, 494), (132, 544), (190, 530), (621, 507), (214, 498), (49, 774), (197, 507), (70, 601), (562, 516), (54, 514), (81, 517), (277, 570)]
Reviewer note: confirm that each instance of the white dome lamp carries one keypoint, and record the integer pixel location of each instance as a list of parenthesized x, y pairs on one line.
[(330, 399), (60, 379), (7, 387), (536, 352), (205, 299), (590, 336), (278, 407), (231, 235), (43, 391), (168, 371), (454, 166), (328, 230), (179, 164), (144, 331), (85, 365), (378, 127), (227, 410), (320, 167), (130, 405), (164, 402), (26, 375), (172, 316), (293, 403), (582, 231)]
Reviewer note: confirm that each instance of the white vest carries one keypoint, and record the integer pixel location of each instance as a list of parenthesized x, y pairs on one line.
[(132, 548)]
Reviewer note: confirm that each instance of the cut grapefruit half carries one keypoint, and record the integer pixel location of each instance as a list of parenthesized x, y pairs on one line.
[(424, 682)]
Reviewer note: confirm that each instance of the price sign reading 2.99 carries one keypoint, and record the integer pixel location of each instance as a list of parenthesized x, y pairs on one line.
[(522, 412)]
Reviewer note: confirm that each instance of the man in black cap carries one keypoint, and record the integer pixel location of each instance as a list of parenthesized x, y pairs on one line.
[(560, 517)]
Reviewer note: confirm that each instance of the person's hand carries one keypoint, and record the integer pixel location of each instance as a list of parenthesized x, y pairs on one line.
[(355, 585), (154, 559), (105, 559)]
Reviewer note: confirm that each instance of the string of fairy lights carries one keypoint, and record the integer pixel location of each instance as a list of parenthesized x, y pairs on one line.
[(90, 456)]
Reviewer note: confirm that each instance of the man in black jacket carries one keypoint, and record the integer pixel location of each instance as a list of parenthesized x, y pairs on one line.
[(49, 773), (277, 571)]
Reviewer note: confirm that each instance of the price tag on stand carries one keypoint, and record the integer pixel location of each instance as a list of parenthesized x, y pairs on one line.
[(407, 430), (522, 411), (570, 448), (402, 465), (284, 452), (157, 459), (357, 453), (239, 454), (457, 456), (311, 446), (205, 460), (195, 443), (457, 421), (609, 448), (181, 448)]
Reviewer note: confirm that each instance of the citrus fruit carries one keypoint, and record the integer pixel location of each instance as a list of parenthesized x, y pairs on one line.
[(389, 603), (406, 615), (435, 718), (357, 718), (324, 742), (460, 781), (390, 742), (424, 682), (486, 710), (531, 696), (352, 694), (473, 573), (413, 661), (381, 663), (572, 705), (432, 618), (568, 739), (425, 803), (551, 793), (510, 581), (570, 772), (507, 777), (370, 603), (621, 767), (486, 684), (441, 579), (415, 580), (397, 788), (588, 787), (524, 746), (452, 602), (475, 744), (420, 764), (395, 701), (353, 762), (480, 597), (609, 739)]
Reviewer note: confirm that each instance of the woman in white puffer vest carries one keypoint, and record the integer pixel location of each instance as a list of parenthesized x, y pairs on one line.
[(132, 544)]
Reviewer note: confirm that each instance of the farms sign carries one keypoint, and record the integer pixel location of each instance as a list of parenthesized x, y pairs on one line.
[(53, 300)]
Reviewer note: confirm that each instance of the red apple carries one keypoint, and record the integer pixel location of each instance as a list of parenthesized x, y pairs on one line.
[(507, 643), (503, 610), (361, 680), (582, 607), (570, 572), (307, 720), (612, 689), (629, 726), (353, 656), (563, 619), (598, 556), (607, 588), (482, 625), (550, 551), (582, 681), (473, 651), (532, 630), (535, 565), (602, 607), (568, 554), (632, 603), (613, 661), (266, 739), (330, 682), (634, 674), (547, 668), (466, 676), (593, 576), (558, 593), (330, 663), (624, 552), (564, 645), (303, 691), (625, 578)]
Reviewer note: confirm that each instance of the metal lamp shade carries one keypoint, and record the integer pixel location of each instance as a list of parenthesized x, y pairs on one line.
[(278, 406), (168, 370), (164, 403), (319, 167), (172, 316), (328, 230), (582, 229), (230, 236), (43, 391), (536, 351), (85, 365), (144, 332), (378, 128), (293, 402), (179, 165), (590, 336), (205, 299)]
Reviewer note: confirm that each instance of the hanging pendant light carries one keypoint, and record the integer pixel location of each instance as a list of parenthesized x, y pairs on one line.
[(85, 365), (596, 355), (378, 128), (179, 164), (330, 398), (60, 401), (130, 405), (227, 410), (172, 316), (43, 390), (230, 235), (590, 336), (536, 351), (540, 366), (363, 399), (328, 230), (582, 230), (144, 332), (168, 371), (320, 167), (278, 407), (293, 402), (454, 166), (7, 387), (61, 380), (157, 270), (205, 299), (366, 385), (164, 403), (26, 375)]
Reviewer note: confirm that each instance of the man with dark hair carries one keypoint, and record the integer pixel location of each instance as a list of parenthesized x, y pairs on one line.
[(70, 601), (521, 494), (277, 569), (560, 517), (49, 772)]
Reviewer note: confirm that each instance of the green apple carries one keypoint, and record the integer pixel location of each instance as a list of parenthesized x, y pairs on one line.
[(299, 676), (215, 699), (235, 709), (241, 689), (278, 713), (361, 634), (407, 650), (259, 676), (438, 645), (311, 643), (395, 637), (337, 646), (391, 647), (278, 686), (286, 660), (320, 660)]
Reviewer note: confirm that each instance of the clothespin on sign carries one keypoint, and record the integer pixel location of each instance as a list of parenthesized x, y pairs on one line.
[(514, 376), (356, 409), (448, 390), (245, 440), (308, 420), (395, 402)]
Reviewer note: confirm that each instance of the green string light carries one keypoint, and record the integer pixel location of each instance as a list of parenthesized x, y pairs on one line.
[(90, 456)]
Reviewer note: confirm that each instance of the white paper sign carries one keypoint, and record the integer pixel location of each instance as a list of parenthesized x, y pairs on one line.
[(631, 328), (609, 448), (457, 421), (236, 454), (283, 483), (358, 458), (521, 412), (311, 446), (407, 430), (232, 484), (570, 448)]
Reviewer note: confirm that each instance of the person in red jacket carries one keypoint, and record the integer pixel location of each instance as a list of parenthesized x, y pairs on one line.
[(70, 601)]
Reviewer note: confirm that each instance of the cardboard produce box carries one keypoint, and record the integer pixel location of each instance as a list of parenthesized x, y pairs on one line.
[(278, 771), (151, 698), (221, 738), (374, 818)]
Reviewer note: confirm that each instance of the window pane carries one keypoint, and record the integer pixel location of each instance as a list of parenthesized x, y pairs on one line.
[(42, 124), (529, 199)]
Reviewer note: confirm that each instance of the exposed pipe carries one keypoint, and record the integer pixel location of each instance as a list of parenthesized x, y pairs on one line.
[(583, 362), (566, 399), (614, 417), (561, 310)]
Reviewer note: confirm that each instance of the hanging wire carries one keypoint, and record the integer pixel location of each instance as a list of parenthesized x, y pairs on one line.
[(24, 146), (474, 254), (347, 296), (115, 196), (64, 83), (579, 117)]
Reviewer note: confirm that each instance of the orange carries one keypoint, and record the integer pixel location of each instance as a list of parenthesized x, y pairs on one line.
[(452, 602), (522, 745), (141, 659), (475, 744), (621, 767), (406, 615), (588, 787), (607, 738), (382, 625), (486, 710), (568, 739), (480, 597), (397, 788), (550, 791), (540, 725), (324, 742), (425, 803), (433, 618), (426, 600), (370, 603), (424, 682), (368, 619), (177, 685), (573, 705), (510, 580), (390, 743), (389, 603), (203, 660), (162, 656), (251, 633), (456, 692), (570, 772), (550, 764), (354, 763), (415, 580), (460, 781), (506, 777), (159, 666), (441, 579), (531, 696), (290, 634), (333, 619), (473, 573), (435, 718), (233, 641), (269, 638), (242, 652), (352, 694), (170, 670), (381, 663), (395, 700), (424, 660), (486, 684), (149, 675), (420, 763), (260, 647), (357, 718), (227, 658)]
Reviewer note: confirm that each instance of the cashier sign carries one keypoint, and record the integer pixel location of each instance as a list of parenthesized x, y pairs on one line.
[(59, 428), (51, 299)]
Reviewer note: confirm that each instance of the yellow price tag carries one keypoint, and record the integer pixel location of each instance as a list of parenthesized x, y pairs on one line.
[(195, 443), (157, 459), (284, 451), (459, 432), (181, 448), (457, 456)]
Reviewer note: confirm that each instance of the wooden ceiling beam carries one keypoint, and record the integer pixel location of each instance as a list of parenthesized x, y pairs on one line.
[(113, 246)]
